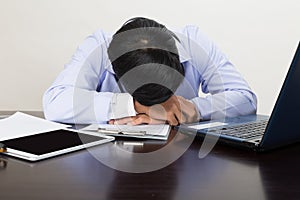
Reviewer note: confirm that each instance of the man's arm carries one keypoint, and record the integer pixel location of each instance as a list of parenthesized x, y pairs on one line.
[(73, 98), (229, 94)]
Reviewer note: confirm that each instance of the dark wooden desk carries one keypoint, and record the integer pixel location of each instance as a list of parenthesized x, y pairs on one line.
[(226, 173)]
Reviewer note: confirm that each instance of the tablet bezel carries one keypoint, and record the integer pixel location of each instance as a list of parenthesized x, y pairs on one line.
[(33, 157)]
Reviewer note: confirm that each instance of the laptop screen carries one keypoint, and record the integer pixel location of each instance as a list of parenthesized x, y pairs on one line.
[(283, 127)]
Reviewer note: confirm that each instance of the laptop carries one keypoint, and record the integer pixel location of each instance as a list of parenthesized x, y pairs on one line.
[(259, 132)]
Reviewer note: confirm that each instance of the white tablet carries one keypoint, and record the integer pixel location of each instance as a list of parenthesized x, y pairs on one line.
[(53, 143)]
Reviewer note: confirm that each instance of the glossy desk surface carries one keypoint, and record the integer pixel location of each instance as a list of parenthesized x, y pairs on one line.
[(225, 173)]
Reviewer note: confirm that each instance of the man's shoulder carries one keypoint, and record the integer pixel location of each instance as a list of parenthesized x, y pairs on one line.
[(186, 30), (193, 33), (190, 27), (101, 36), (191, 36)]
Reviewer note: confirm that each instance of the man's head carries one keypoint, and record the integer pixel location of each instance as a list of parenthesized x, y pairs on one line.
[(144, 52)]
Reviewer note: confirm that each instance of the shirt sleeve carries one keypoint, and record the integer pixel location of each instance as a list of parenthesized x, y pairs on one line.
[(73, 97), (228, 94)]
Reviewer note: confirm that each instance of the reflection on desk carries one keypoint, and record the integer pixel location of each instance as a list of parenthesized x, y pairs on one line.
[(226, 173)]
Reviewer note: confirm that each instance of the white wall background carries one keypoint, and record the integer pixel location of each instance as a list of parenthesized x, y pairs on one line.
[(37, 37)]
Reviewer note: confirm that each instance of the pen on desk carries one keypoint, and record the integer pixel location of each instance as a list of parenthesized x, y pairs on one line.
[(2, 148), (107, 131)]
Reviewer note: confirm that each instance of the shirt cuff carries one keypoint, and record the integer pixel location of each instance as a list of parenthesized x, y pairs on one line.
[(121, 106)]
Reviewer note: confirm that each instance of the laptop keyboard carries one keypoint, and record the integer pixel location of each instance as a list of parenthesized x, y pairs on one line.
[(244, 131)]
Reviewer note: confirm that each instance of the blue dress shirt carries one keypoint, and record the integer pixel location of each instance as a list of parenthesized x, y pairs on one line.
[(86, 91)]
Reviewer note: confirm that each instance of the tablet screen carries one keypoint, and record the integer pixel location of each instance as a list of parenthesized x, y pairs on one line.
[(50, 141)]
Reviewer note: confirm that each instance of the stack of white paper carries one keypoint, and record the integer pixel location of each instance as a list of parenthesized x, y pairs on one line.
[(21, 124)]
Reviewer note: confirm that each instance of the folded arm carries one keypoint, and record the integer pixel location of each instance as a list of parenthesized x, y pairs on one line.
[(79, 96), (228, 94)]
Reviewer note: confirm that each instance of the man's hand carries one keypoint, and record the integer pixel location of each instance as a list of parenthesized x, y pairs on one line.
[(175, 110), (136, 120)]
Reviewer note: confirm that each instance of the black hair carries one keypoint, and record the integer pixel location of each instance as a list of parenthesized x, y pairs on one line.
[(145, 42)]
